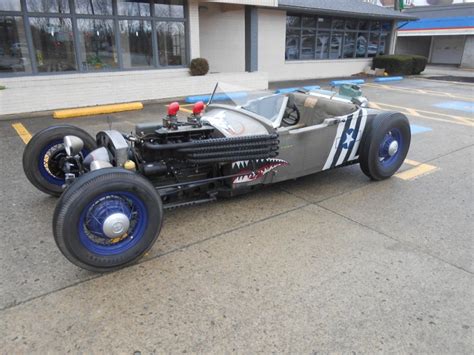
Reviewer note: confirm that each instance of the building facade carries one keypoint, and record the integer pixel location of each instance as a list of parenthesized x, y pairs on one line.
[(444, 34), (121, 43)]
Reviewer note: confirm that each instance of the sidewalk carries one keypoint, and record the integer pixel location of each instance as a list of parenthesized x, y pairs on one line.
[(47, 93), (434, 70)]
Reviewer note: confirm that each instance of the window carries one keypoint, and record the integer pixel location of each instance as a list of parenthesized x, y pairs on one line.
[(133, 7), (53, 44), (351, 25), (99, 35), (309, 21), (10, 5), (361, 44), (135, 39), (293, 21), (324, 23), (349, 44), (61, 6), (338, 24), (308, 44), (335, 46), (383, 44), (171, 43), (169, 8), (97, 43), (94, 7), (322, 45), (14, 56), (313, 37), (292, 47), (372, 51)]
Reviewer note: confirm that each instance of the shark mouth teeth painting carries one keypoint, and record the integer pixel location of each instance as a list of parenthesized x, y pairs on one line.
[(255, 169)]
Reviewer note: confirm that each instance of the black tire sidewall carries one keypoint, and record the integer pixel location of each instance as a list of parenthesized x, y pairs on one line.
[(72, 203), (369, 157), (36, 145)]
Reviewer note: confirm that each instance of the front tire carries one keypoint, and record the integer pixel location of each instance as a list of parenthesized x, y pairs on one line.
[(107, 219), (43, 153), (385, 145)]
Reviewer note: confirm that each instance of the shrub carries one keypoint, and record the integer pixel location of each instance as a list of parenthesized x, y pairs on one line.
[(400, 64), (394, 64), (2, 87), (199, 66), (419, 64)]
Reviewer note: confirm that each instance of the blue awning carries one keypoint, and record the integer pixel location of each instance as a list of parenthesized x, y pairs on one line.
[(444, 23)]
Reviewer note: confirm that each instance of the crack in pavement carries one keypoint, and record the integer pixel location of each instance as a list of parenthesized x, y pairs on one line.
[(181, 248), (413, 246)]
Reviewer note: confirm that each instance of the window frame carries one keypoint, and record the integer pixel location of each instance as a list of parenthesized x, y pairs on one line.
[(74, 16), (339, 32)]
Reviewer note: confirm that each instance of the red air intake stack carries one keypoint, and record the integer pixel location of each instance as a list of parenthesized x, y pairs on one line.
[(171, 121), (195, 118)]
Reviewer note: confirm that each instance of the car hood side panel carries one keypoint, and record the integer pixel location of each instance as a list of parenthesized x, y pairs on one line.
[(233, 124)]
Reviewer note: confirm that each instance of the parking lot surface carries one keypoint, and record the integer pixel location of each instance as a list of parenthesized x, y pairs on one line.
[(328, 262)]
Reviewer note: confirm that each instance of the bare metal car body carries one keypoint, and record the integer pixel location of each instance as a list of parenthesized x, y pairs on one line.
[(113, 188)]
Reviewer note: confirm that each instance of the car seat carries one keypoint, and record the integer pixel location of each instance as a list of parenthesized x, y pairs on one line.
[(314, 110)]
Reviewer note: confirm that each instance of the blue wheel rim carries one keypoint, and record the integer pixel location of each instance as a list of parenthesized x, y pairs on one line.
[(386, 160), (43, 159), (90, 236), (48, 150)]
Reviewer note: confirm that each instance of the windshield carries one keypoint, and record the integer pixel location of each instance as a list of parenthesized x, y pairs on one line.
[(261, 102)]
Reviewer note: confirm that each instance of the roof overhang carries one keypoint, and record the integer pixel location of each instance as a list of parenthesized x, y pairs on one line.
[(446, 26), (323, 12), (344, 8)]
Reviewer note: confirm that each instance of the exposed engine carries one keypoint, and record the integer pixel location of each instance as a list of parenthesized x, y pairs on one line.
[(184, 157)]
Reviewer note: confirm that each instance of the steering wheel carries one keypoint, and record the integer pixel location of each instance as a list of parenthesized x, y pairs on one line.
[(291, 116)]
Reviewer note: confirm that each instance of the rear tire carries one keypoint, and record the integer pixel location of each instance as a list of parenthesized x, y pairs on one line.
[(43, 148), (81, 215), (385, 145)]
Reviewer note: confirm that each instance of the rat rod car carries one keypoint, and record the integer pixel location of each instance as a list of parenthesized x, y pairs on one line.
[(113, 188)]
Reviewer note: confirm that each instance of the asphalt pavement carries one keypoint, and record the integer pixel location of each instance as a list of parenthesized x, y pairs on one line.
[(327, 263)]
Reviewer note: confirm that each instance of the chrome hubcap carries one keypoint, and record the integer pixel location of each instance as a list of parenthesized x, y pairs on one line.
[(393, 148), (116, 225)]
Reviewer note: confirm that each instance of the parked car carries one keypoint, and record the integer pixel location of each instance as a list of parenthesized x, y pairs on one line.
[(113, 188)]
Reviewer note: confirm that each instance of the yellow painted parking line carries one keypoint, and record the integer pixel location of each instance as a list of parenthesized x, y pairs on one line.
[(412, 162), (464, 121), (412, 111), (387, 87), (22, 132), (374, 105), (420, 91), (416, 172), (435, 119)]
